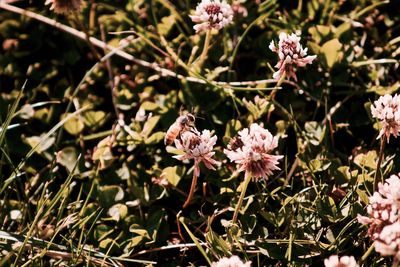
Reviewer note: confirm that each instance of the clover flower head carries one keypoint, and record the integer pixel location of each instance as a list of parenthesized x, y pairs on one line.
[(233, 261), (251, 151), (212, 14), (64, 6), (388, 242), (383, 207), (387, 110), (344, 261), (199, 147), (290, 53), (391, 188)]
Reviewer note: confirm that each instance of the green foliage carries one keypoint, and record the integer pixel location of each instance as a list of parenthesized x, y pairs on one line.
[(85, 177)]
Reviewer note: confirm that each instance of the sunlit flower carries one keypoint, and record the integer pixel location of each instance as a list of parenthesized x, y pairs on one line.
[(64, 6), (290, 53), (198, 147), (233, 261), (383, 207), (251, 151), (388, 242), (386, 110), (212, 14), (344, 261)]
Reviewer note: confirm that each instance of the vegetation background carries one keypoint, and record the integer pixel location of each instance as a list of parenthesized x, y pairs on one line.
[(83, 164)]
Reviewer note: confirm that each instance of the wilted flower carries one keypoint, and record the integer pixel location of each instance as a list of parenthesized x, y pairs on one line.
[(212, 14), (198, 147), (64, 6), (388, 242), (251, 149), (290, 53), (386, 110), (233, 261), (383, 208), (344, 261)]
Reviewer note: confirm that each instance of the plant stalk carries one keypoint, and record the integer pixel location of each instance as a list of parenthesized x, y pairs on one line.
[(205, 49), (192, 188), (377, 177), (247, 178)]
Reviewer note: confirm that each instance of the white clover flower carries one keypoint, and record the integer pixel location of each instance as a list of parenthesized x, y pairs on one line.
[(64, 6), (233, 261), (388, 242), (344, 261), (198, 147), (290, 53), (383, 207), (251, 149), (386, 110), (212, 14)]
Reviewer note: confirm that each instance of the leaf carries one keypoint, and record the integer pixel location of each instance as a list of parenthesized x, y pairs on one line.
[(118, 211), (331, 51), (93, 118), (383, 90), (74, 125), (67, 157), (166, 25), (34, 141), (315, 132), (173, 174), (109, 194), (149, 125), (103, 153), (366, 160), (155, 138)]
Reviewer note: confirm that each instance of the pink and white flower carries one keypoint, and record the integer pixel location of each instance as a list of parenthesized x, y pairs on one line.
[(388, 242), (233, 261), (290, 53), (251, 151), (344, 261), (212, 14), (383, 207), (198, 147), (386, 110)]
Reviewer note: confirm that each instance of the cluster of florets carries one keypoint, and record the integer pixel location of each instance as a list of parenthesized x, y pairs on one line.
[(291, 54), (212, 14), (251, 151), (383, 220), (344, 261), (233, 261), (386, 110), (199, 147)]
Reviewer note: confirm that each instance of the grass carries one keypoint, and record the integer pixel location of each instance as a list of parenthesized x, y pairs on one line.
[(87, 180)]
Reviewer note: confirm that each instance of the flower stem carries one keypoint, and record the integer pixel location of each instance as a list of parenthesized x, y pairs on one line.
[(273, 93), (247, 178), (205, 49), (367, 253), (377, 177), (192, 188)]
